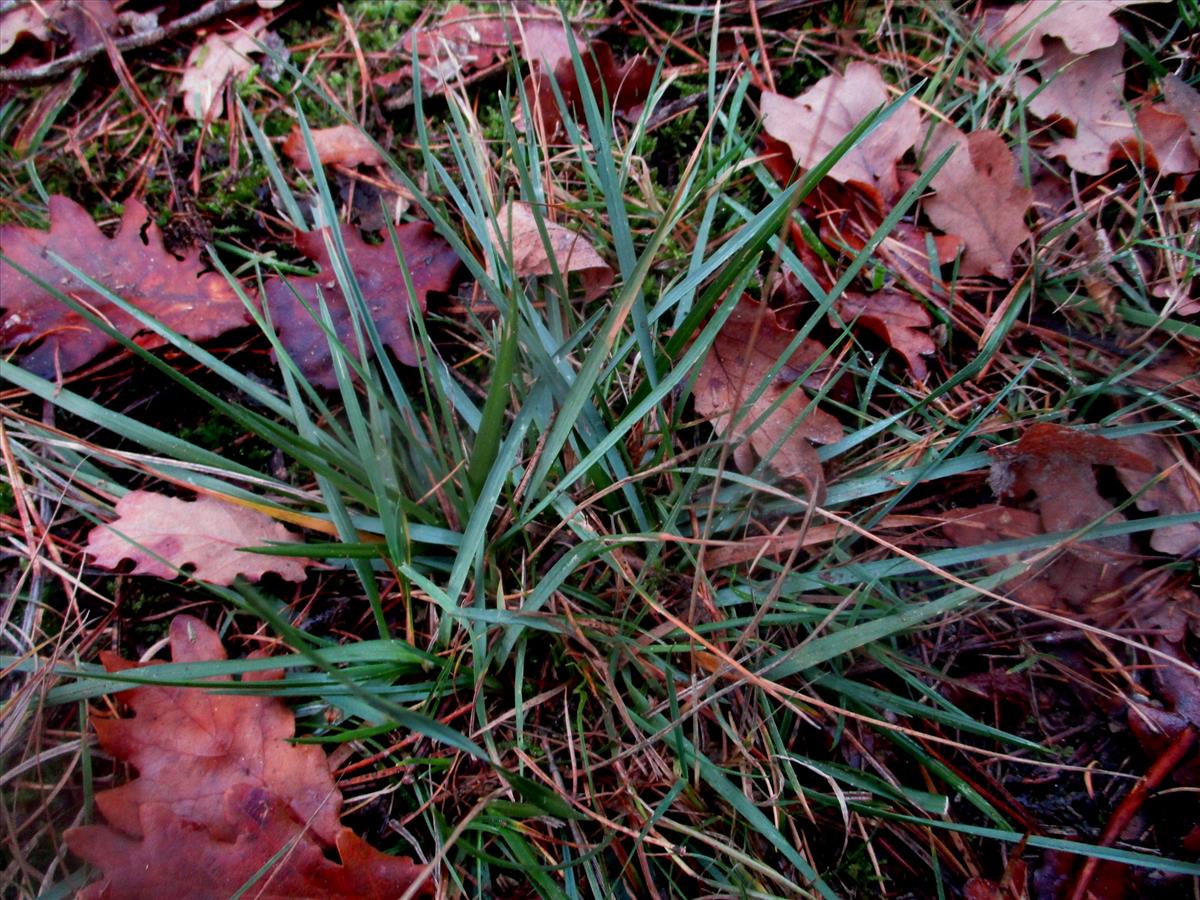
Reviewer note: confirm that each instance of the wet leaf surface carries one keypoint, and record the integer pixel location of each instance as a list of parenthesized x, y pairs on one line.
[(431, 265), (133, 264), (220, 792)]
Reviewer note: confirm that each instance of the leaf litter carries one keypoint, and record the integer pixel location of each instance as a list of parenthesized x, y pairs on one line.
[(925, 295), (134, 264), (162, 534), (296, 302), (781, 425), (221, 794)]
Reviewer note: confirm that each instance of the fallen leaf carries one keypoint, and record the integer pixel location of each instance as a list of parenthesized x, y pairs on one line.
[(1178, 493), (1039, 588), (848, 222), (1013, 885), (1082, 25), (213, 62), (978, 196), (626, 87), (748, 345), (896, 318), (1184, 100), (468, 39), (31, 19), (1166, 140), (906, 254), (1055, 463), (431, 264), (1087, 91), (517, 228), (174, 291), (342, 145), (206, 533), (180, 859), (44, 19), (1155, 727), (813, 124), (220, 792)]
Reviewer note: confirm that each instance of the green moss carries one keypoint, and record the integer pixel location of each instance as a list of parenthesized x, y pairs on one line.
[(221, 435)]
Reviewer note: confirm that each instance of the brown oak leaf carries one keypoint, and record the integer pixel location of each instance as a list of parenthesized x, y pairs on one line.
[(342, 145), (896, 318), (516, 227), (626, 86), (1165, 139), (1054, 464), (431, 264), (978, 195), (1178, 493), (813, 124), (206, 533), (748, 345), (141, 271), (468, 39), (212, 63), (1087, 90), (220, 793), (847, 222), (906, 254), (1083, 25), (1184, 100), (180, 859)]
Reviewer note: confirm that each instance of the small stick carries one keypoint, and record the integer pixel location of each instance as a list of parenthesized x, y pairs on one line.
[(1132, 802), (130, 42)]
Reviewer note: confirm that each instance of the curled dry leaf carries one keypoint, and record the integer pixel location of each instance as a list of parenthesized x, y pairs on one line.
[(748, 345), (431, 264), (1055, 463), (979, 197), (44, 19), (341, 145), (516, 227), (1178, 493), (813, 123), (173, 291), (206, 533), (1082, 25), (896, 318), (220, 793), (211, 64)]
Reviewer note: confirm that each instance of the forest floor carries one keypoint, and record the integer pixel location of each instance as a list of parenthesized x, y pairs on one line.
[(642, 449)]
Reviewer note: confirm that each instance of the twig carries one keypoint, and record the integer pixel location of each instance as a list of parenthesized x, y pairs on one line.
[(1132, 802), (131, 42)]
